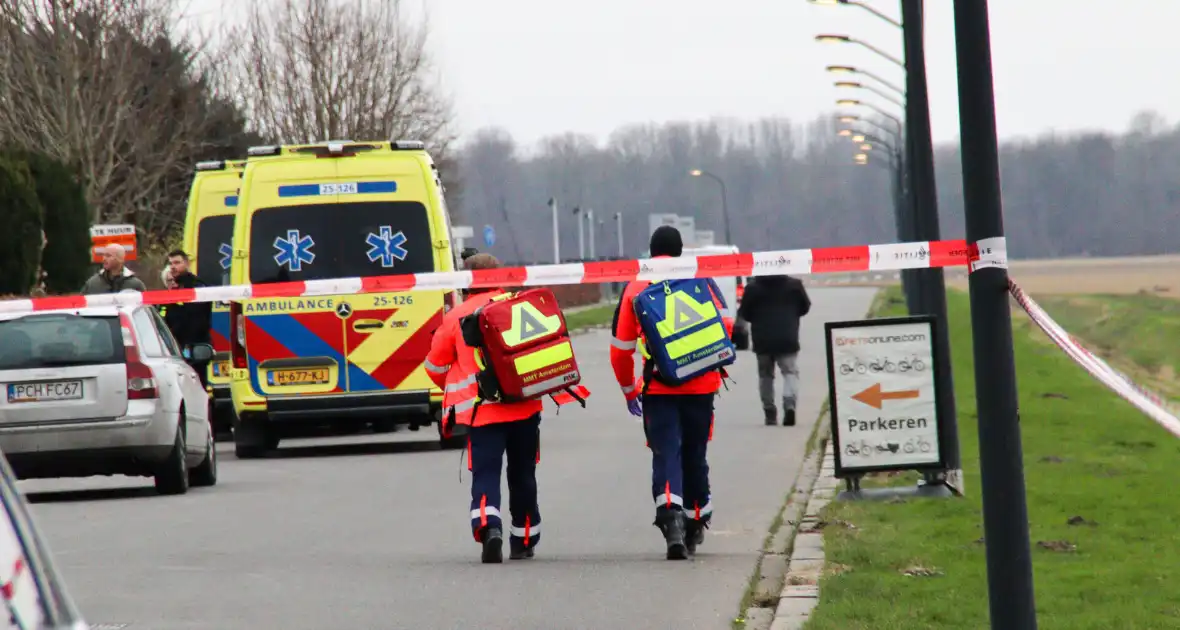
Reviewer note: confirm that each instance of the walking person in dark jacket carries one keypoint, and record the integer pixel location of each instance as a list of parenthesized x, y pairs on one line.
[(190, 323), (773, 305)]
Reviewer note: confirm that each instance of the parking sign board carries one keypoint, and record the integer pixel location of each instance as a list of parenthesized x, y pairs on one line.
[(881, 380)]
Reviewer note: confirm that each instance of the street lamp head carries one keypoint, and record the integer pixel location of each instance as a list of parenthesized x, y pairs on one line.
[(866, 147), (833, 38), (696, 172), (848, 101), (848, 119), (828, 3), (858, 138), (861, 157), (851, 84), (844, 133), (841, 69)]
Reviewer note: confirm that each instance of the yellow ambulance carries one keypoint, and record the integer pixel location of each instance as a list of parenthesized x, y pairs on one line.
[(336, 363), (208, 235)]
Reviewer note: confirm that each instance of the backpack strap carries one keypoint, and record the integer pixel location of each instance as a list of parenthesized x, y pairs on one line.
[(649, 374)]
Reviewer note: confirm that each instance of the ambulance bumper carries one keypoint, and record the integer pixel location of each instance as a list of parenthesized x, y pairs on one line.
[(280, 408)]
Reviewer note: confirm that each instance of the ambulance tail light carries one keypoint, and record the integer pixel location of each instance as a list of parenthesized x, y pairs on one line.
[(237, 336)]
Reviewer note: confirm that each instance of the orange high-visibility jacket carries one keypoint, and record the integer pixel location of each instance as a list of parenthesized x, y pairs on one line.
[(626, 335), (452, 365)]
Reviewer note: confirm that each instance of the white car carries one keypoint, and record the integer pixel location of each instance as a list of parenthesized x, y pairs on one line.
[(103, 391), (35, 596)]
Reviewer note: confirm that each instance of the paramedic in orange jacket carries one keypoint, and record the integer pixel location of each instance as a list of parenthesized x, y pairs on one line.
[(496, 429), (678, 421)]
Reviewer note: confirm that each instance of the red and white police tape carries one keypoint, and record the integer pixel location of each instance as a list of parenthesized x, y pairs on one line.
[(985, 254), (890, 257), (1147, 401)]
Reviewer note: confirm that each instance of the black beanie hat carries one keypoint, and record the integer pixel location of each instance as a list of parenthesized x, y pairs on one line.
[(665, 241)]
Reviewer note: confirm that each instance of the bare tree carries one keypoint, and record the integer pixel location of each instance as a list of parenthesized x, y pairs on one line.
[(101, 85), (315, 70)]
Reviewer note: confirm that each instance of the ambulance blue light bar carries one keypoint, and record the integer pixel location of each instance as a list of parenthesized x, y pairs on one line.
[(407, 145), (211, 165)]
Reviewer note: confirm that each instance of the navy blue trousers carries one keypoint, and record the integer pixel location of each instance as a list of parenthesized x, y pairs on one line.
[(486, 449), (678, 429)]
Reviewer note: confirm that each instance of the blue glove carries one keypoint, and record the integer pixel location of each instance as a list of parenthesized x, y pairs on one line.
[(634, 407)]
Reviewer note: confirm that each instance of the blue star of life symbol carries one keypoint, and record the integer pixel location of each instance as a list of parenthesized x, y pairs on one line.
[(386, 246), (227, 254), (294, 251)]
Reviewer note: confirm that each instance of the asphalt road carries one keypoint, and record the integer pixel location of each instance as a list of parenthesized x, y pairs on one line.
[(371, 532)]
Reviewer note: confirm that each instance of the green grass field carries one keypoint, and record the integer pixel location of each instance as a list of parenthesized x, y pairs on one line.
[(593, 316), (1102, 516), (1139, 333)]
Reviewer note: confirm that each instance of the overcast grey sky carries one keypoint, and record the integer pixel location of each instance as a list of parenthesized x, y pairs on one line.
[(538, 67)]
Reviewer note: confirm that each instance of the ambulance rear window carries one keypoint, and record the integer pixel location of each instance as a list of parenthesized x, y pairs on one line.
[(339, 240), (214, 235)]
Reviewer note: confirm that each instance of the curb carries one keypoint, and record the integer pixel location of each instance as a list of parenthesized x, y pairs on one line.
[(800, 594), (788, 568)]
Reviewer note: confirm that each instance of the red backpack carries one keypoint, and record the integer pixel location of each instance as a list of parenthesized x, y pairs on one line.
[(522, 347)]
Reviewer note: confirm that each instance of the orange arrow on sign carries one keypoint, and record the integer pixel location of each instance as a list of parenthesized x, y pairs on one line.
[(873, 396)]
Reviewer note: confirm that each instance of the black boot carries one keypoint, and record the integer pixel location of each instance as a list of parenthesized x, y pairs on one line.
[(788, 412), (771, 416), (694, 535), (493, 546), (517, 550), (671, 523)]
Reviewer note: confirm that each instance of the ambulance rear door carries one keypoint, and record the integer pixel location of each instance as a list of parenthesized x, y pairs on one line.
[(387, 226), (294, 346)]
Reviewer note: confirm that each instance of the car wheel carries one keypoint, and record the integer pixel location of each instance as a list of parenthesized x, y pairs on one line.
[(205, 474), (253, 438), (223, 426), (173, 475)]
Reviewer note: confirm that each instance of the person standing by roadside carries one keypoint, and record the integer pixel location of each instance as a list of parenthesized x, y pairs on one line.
[(114, 275), (774, 305), (190, 322)]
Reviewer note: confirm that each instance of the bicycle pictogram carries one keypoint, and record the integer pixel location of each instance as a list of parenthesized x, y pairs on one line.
[(863, 448), (882, 365), (855, 366), (913, 363), (920, 445)]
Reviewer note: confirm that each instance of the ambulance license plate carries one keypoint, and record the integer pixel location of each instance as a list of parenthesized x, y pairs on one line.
[(317, 376)]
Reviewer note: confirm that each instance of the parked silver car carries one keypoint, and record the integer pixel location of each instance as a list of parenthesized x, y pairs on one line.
[(103, 391)]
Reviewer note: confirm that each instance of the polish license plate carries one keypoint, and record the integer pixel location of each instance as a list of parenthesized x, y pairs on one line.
[(44, 391), (318, 376)]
